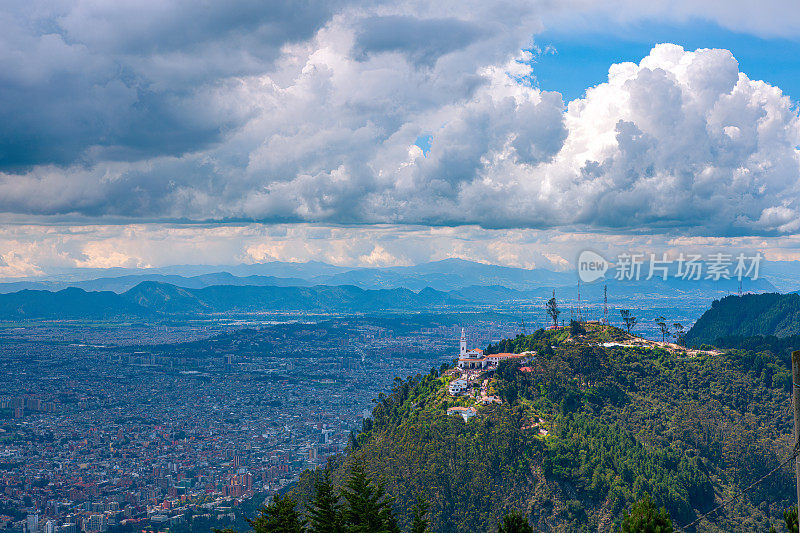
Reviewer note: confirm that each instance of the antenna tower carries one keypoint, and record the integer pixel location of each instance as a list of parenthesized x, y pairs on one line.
[(605, 304)]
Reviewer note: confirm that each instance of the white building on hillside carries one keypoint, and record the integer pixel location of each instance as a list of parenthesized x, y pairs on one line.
[(474, 358), (457, 386), (465, 412)]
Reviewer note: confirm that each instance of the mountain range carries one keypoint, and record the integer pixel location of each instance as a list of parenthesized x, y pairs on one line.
[(318, 287), (152, 299), (445, 275)]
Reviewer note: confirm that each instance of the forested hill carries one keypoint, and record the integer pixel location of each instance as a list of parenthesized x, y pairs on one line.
[(747, 316), (582, 432), (151, 299)]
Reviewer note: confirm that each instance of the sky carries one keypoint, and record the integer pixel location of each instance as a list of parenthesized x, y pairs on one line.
[(148, 133), (774, 59)]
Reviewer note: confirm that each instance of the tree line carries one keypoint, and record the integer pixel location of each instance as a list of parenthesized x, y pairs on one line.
[(363, 506)]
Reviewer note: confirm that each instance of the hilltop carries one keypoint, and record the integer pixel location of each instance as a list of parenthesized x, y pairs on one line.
[(588, 424)]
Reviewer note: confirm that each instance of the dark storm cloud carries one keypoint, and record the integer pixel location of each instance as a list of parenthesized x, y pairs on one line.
[(127, 80), (146, 28)]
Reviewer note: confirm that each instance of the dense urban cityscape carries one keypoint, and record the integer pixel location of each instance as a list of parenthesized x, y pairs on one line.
[(187, 435)]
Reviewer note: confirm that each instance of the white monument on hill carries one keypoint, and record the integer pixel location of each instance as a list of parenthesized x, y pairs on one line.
[(474, 358)]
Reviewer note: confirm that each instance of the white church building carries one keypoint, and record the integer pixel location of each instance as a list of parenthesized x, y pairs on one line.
[(474, 358)]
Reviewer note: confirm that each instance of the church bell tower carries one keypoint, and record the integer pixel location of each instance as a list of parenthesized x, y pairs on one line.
[(463, 343)]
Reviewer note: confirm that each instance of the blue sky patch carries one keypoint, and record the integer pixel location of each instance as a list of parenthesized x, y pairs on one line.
[(571, 61), (424, 143)]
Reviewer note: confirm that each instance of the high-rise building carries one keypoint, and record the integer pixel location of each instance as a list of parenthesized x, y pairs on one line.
[(95, 523), (32, 523)]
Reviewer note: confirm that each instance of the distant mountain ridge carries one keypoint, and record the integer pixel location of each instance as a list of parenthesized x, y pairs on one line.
[(151, 299), (71, 303), (123, 283), (451, 282), (445, 275)]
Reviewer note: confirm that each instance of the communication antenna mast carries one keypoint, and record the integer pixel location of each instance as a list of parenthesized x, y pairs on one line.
[(580, 316), (740, 287), (605, 304), (522, 325)]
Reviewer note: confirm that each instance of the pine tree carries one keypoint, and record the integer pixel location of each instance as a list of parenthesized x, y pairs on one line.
[(514, 522), (352, 441), (368, 509), (646, 518), (388, 518), (280, 516), (552, 309), (790, 518), (325, 513), (420, 523)]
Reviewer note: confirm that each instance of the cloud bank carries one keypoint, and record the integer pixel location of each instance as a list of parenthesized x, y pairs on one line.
[(30, 251), (262, 112)]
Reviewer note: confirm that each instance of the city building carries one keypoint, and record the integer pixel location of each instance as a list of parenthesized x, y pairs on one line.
[(32, 523), (95, 523), (465, 412), (457, 386)]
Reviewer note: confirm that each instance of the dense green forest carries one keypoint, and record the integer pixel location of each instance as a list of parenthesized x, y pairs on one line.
[(581, 435), (747, 316), (782, 346)]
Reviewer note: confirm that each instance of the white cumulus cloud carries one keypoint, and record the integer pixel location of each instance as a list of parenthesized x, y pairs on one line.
[(319, 126)]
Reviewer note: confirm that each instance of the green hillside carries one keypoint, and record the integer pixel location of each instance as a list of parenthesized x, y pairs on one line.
[(153, 299), (69, 304), (583, 433), (747, 316)]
